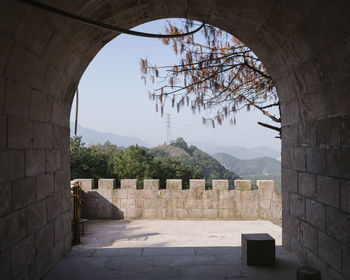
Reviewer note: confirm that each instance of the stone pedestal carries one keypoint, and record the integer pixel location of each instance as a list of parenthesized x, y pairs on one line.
[(308, 273), (258, 249)]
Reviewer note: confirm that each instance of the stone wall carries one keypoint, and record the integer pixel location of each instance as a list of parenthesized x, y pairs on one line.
[(128, 202)]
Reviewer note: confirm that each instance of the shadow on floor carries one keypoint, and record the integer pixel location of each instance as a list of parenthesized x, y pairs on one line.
[(168, 263)]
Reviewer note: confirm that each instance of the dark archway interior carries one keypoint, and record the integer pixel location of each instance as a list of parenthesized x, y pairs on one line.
[(304, 44)]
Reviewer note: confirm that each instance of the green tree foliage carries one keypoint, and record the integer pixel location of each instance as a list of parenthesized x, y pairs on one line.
[(209, 167), (87, 162), (135, 162)]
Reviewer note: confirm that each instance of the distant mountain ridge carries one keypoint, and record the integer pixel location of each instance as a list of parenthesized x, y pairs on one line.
[(209, 166), (237, 151), (257, 166), (93, 137)]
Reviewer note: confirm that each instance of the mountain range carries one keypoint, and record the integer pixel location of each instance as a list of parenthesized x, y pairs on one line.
[(92, 137), (257, 166)]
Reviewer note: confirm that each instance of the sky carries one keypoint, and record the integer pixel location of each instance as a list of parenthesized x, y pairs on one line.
[(113, 98)]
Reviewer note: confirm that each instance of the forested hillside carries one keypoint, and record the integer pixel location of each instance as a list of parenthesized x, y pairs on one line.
[(175, 161), (209, 166), (263, 168), (257, 166)]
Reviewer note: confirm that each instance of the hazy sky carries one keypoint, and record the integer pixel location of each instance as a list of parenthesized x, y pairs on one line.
[(113, 98)]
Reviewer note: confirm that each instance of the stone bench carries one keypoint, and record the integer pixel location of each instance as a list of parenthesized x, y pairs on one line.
[(258, 249)]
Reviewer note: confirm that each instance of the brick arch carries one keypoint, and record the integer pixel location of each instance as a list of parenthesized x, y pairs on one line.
[(305, 47)]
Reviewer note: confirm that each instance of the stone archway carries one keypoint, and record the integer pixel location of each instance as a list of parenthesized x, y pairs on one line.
[(305, 46)]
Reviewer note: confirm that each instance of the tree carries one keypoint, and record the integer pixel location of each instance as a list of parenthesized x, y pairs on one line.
[(216, 73)]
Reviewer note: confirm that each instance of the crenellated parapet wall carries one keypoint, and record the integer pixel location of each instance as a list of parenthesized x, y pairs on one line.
[(128, 202)]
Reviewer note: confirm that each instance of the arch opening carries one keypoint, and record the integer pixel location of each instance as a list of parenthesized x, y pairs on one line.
[(43, 58)]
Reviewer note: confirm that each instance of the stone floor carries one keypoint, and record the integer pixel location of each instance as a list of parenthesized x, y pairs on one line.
[(169, 249)]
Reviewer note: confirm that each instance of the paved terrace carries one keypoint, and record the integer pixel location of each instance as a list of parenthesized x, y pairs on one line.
[(170, 249)]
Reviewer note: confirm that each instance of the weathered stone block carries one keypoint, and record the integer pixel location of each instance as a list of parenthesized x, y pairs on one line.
[(290, 134), (59, 229), (149, 213), (5, 265), (54, 205), (226, 194), (293, 158), (265, 204), (210, 213), (22, 255), (328, 191), (147, 203), (106, 184), (329, 249), (258, 249), (174, 184), (307, 185), (316, 262), (179, 213), (36, 216), (226, 204), (346, 260), (133, 193), (226, 213), (3, 127), (151, 184), (120, 193), (5, 198), (298, 249), (266, 194), (290, 224), (133, 213), (179, 194), (316, 214), (307, 134), (61, 136), (53, 160), (316, 160), (40, 107), (86, 184), (17, 100), (42, 135), (195, 213), (99, 209), (164, 194), (128, 203), (9, 160), (196, 184), (100, 194), (308, 236), (119, 213), (35, 162), (266, 185), (128, 184), (345, 196), (25, 190), (211, 194), (158, 204), (44, 238), (328, 132), (220, 184), (139, 203), (290, 180), (297, 205), (338, 224), (243, 195), (12, 229), (243, 185)]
